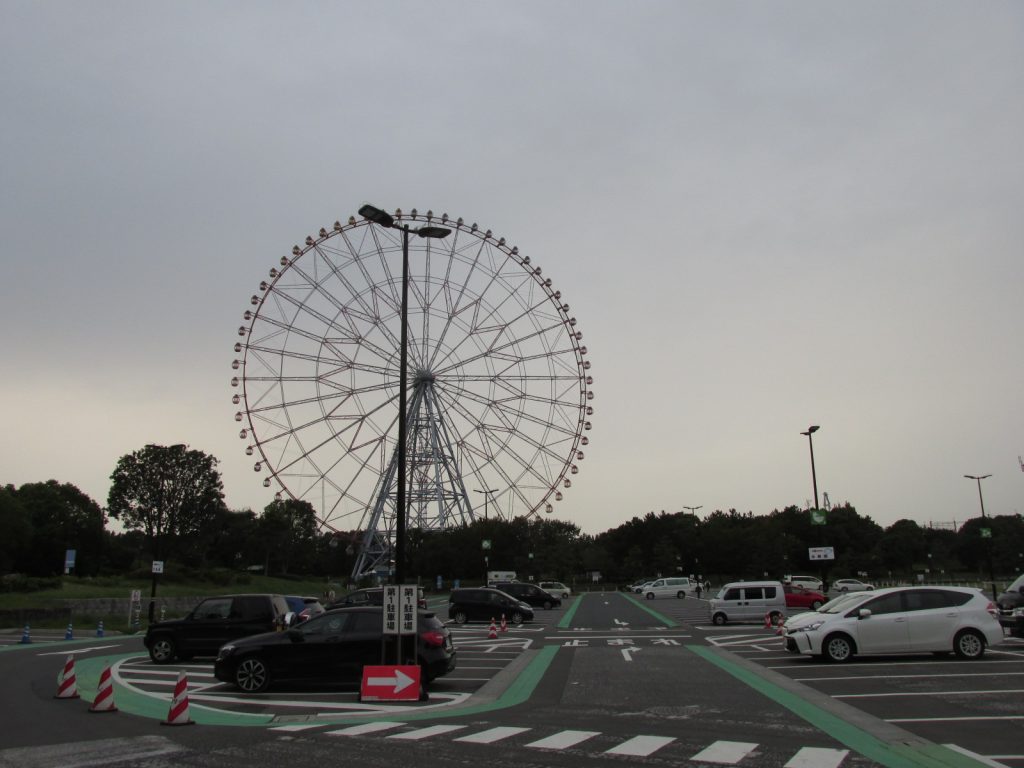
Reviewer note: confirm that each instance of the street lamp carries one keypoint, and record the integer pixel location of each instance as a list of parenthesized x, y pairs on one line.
[(379, 217), (814, 478), (988, 543), (693, 510), (487, 494)]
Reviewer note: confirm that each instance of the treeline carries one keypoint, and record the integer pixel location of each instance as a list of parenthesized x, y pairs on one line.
[(170, 502)]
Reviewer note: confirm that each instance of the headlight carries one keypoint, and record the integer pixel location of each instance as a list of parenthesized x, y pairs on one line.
[(1017, 612), (225, 651), (806, 628)]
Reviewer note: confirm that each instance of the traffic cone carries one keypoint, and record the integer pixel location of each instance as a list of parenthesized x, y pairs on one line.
[(66, 686), (504, 624), (104, 701), (99, 629), (70, 633), (178, 713), (26, 637), (492, 633)]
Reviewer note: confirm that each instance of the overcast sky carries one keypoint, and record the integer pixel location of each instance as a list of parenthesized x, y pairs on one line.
[(764, 216)]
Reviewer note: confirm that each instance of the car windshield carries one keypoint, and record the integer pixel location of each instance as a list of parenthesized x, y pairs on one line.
[(1017, 585), (841, 603)]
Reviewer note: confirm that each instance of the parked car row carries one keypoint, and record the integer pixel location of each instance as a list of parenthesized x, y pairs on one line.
[(261, 638)]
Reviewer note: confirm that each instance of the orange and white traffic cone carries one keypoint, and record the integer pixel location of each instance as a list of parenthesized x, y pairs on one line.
[(178, 713), (492, 633), (67, 688), (504, 624), (104, 701)]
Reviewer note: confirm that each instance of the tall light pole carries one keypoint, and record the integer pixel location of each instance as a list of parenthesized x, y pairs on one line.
[(814, 478), (379, 217), (988, 538), (487, 494), (693, 510)]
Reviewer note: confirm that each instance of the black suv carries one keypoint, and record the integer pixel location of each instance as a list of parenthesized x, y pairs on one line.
[(1011, 607), (332, 648), (213, 622), (484, 604), (530, 594)]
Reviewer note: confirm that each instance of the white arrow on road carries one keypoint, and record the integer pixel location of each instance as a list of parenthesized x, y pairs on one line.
[(627, 651), (401, 681), (622, 623)]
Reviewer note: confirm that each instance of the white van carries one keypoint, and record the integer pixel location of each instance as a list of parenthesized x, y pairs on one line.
[(677, 586), (748, 601)]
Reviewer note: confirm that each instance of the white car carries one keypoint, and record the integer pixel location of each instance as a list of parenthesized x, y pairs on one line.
[(851, 585), (556, 588), (807, 582), (897, 620)]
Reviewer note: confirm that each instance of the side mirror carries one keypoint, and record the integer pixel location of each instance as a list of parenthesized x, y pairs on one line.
[(864, 613)]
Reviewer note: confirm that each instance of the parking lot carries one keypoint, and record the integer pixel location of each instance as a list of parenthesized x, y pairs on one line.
[(970, 705)]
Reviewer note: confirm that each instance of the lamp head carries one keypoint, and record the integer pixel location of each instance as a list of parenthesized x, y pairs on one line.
[(811, 430), (435, 232), (377, 216)]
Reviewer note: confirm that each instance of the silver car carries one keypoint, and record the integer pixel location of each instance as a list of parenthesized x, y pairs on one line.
[(898, 620)]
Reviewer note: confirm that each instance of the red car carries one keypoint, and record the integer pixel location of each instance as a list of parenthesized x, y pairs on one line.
[(803, 598)]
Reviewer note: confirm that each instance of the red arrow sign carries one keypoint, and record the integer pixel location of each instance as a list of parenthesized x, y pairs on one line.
[(398, 682)]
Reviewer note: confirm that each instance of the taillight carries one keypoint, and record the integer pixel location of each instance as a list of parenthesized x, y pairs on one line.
[(433, 638), (993, 610)]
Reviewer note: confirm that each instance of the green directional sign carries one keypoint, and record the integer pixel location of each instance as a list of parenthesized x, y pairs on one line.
[(486, 544), (818, 517), (986, 533)]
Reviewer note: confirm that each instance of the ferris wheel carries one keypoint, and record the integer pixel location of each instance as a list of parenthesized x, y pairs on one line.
[(499, 386)]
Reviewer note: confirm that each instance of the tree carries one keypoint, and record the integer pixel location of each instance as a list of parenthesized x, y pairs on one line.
[(166, 492), (15, 529), (62, 518), (288, 531)]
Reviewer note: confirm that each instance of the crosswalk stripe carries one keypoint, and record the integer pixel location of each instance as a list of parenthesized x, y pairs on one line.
[(817, 757), (359, 730), (303, 727), (641, 746), (491, 735), (563, 739), (425, 733), (726, 752)]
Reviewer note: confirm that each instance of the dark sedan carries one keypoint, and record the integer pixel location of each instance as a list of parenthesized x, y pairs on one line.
[(333, 647)]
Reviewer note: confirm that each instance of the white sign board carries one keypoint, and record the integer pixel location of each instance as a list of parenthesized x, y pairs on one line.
[(400, 609), (821, 553), (158, 566)]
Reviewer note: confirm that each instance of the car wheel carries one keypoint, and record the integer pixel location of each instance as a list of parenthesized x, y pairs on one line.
[(459, 617), (968, 644), (649, 595), (838, 648), (844, 589), (163, 650), (681, 594), (517, 617), (547, 605), (718, 619), (252, 675), (815, 605)]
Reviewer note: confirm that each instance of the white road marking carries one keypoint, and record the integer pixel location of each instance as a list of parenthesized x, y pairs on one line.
[(364, 728), (426, 733), (726, 752), (921, 693), (817, 757), (492, 735), (563, 739), (303, 727), (903, 677), (626, 653), (641, 746), (76, 651), (993, 760)]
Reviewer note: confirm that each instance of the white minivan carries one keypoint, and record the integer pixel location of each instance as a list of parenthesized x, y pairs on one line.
[(748, 601), (676, 586)]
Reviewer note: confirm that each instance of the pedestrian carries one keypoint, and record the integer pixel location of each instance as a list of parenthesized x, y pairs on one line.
[(698, 590)]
